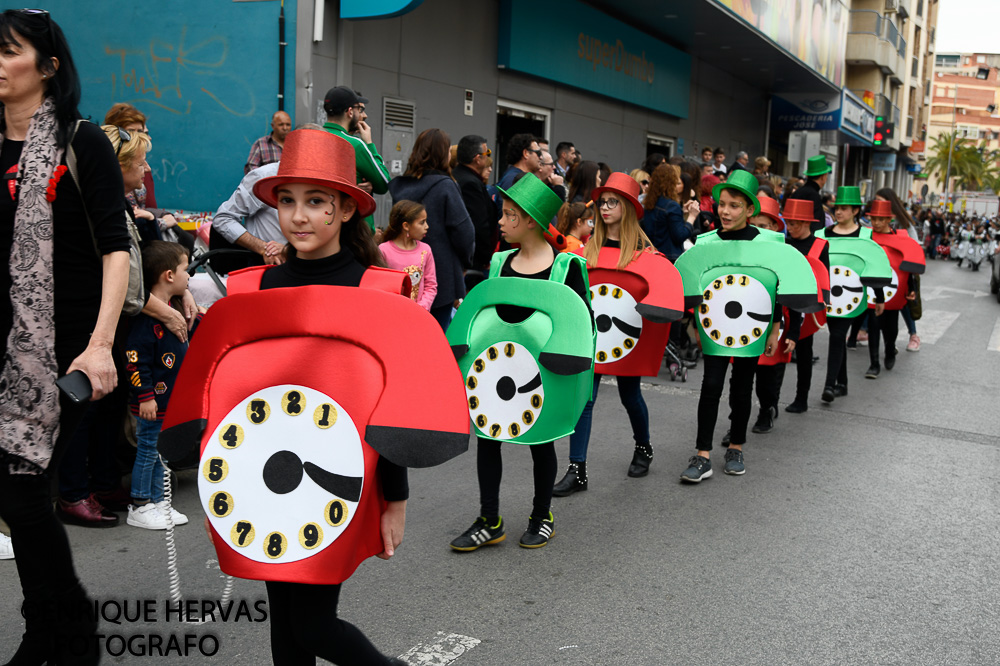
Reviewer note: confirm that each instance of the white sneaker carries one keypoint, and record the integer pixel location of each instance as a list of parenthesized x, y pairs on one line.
[(6, 547), (178, 517), (147, 516)]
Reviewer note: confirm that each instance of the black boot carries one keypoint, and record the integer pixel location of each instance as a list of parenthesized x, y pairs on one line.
[(37, 644), (799, 405), (640, 460), (574, 481)]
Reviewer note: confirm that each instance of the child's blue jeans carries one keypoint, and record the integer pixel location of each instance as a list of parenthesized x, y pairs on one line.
[(147, 474)]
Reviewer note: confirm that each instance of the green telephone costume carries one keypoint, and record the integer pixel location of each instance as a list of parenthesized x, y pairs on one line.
[(528, 382), (734, 286), (855, 263)]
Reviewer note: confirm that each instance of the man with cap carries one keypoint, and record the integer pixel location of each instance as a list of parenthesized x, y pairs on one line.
[(345, 117), (817, 173)]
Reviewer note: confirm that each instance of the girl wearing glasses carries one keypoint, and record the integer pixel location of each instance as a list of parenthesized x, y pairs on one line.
[(61, 305), (616, 227)]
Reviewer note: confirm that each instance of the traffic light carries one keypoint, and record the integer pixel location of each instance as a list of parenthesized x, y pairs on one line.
[(883, 131), (880, 137)]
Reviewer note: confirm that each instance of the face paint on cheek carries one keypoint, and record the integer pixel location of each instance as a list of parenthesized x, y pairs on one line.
[(330, 213)]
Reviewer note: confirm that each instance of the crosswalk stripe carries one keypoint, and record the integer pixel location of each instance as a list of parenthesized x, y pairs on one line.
[(934, 324), (994, 344)]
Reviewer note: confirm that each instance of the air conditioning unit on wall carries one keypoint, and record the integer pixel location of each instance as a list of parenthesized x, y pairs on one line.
[(891, 5)]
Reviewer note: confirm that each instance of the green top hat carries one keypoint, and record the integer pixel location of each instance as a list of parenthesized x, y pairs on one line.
[(743, 182), (848, 195), (817, 166), (535, 197)]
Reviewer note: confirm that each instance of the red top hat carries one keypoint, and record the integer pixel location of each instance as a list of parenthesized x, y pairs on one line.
[(769, 207), (881, 209), (623, 185), (800, 210), (319, 158)]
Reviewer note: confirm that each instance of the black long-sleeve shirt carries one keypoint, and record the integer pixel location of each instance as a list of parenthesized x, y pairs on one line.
[(76, 267), (338, 270)]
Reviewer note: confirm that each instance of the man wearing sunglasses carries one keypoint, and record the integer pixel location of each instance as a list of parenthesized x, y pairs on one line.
[(345, 117), (472, 154), (523, 156)]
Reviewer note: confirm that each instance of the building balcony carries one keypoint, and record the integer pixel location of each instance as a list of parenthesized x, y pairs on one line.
[(874, 40)]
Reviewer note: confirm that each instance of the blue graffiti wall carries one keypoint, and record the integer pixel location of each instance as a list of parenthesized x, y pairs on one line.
[(205, 72)]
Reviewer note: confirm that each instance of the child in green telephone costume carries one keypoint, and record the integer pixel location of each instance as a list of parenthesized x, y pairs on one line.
[(524, 339), (856, 262), (733, 278)]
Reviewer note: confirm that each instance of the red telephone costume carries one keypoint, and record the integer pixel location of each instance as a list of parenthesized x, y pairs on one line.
[(633, 309), (289, 443), (905, 257), (814, 321)]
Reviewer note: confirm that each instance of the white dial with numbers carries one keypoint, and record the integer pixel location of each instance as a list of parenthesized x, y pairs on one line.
[(618, 324), (282, 474)]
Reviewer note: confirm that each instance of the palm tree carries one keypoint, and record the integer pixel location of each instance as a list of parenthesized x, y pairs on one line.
[(970, 165), (937, 163)]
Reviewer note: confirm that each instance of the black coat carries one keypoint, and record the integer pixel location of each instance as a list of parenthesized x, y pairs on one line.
[(810, 192), (482, 211)]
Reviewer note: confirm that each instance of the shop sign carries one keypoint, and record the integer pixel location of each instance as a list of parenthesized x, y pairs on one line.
[(918, 147), (857, 118), (588, 49), (805, 112), (914, 168), (884, 161)]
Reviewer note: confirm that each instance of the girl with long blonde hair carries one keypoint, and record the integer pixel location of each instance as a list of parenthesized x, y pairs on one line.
[(616, 225)]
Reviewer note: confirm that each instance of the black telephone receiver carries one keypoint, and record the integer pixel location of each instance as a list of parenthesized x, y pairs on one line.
[(76, 385)]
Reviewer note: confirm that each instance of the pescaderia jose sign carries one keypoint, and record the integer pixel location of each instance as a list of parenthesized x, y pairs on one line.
[(585, 48)]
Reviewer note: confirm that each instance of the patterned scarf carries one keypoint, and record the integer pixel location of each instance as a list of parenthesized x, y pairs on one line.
[(29, 398)]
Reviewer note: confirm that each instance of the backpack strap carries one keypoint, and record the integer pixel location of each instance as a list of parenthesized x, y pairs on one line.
[(817, 248), (562, 264), (245, 280), (866, 233), (386, 279), (497, 262)]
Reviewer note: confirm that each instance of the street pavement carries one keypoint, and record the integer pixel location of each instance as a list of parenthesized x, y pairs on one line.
[(865, 532)]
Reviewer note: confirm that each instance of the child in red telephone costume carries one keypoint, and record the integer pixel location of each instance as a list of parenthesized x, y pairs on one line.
[(304, 448), (799, 217), (635, 294)]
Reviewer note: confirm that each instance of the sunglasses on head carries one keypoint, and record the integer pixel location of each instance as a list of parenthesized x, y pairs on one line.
[(487, 153), (123, 138)]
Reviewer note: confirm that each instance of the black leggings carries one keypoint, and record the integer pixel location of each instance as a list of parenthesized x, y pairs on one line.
[(768, 386), (44, 560), (304, 625), (836, 364), (489, 465), (804, 365), (740, 396), (888, 326)]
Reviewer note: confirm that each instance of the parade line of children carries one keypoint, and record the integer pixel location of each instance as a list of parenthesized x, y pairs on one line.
[(293, 454)]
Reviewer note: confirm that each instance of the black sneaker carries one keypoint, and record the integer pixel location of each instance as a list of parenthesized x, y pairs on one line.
[(890, 360), (539, 531), (828, 394), (872, 373), (699, 468), (480, 534), (727, 439), (797, 407), (765, 422), (840, 390)]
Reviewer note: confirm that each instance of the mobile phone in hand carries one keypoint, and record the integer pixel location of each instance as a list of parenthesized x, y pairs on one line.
[(76, 386)]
